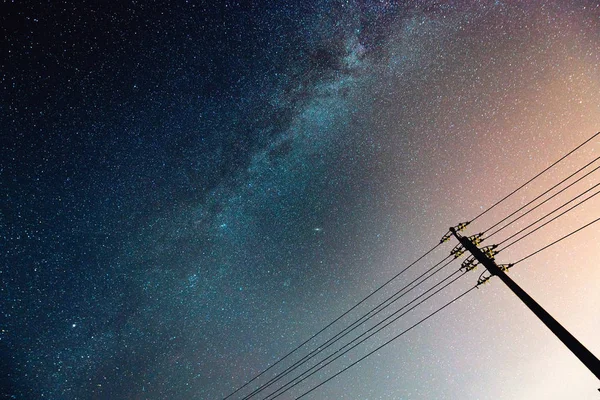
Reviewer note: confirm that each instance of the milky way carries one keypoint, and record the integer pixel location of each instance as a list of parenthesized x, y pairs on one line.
[(191, 190)]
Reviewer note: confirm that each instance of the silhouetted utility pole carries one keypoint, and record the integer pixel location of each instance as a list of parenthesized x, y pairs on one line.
[(488, 262)]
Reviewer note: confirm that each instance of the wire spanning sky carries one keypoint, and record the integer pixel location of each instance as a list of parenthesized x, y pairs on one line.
[(190, 190)]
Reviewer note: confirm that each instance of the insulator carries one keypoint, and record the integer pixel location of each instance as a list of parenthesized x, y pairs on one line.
[(456, 248), (483, 281), (489, 251), (476, 239), (446, 237), (470, 267), (468, 264), (505, 267), (461, 226), (459, 253)]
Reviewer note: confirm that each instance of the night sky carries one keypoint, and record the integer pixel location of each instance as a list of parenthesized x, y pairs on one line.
[(190, 190)]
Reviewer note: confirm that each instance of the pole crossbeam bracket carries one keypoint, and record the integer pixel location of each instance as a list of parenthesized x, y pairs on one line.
[(460, 227)]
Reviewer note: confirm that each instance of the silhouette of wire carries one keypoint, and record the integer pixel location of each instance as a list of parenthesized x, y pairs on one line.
[(386, 343), (299, 379), (547, 222), (556, 241), (535, 177), (372, 313), (357, 323), (331, 323), (541, 195)]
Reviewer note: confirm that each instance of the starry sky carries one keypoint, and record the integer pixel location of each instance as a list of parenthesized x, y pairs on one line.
[(189, 190)]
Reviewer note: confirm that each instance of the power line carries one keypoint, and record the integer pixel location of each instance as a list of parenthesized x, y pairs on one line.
[(331, 323), (556, 241), (410, 265), (386, 343), (535, 177), (373, 327), (541, 195), (290, 384), (356, 323), (365, 317), (372, 313), (547, 222)]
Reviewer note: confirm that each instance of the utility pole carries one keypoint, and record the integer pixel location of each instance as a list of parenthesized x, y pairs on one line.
[(487, 259)]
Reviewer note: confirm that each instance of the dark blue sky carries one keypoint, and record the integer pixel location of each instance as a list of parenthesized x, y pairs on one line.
[(190, 189)]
